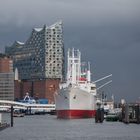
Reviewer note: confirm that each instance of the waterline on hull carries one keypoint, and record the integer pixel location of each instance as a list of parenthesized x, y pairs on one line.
[(75, 114)]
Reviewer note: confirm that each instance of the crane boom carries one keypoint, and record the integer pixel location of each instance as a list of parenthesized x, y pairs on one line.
[(102, 78), (104, 84)]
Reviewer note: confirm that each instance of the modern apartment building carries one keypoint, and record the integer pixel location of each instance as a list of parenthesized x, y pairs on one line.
[(42, 55), (6, 78)]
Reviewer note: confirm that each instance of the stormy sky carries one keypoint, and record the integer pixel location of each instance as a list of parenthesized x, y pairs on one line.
[(106, 31)]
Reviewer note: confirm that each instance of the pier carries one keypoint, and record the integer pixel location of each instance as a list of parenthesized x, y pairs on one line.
[(131, 113), (4, 125), (29, 108), (3, 122)]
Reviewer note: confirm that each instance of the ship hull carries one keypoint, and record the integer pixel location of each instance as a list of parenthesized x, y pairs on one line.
[(75, 114), (74, 103)]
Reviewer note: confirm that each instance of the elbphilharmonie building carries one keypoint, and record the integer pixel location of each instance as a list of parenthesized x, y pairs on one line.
[(42, 55), (39, 61)]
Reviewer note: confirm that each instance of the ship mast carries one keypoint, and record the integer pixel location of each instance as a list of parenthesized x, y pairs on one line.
[(74, 66), (88, 73)]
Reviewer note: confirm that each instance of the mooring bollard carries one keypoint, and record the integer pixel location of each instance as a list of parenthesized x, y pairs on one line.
[(12, 118), (30, 110), (137, 108), (99, 117), (126, 119)]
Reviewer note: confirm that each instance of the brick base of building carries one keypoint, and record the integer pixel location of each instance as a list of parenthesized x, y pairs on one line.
[(37, 89)]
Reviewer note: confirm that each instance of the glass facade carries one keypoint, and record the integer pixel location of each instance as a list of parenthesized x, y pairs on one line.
[(41, 56)]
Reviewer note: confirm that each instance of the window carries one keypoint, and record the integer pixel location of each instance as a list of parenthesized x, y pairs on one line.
[(93, 88)]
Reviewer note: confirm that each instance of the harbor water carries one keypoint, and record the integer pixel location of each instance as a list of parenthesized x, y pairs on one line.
[(47, 127)]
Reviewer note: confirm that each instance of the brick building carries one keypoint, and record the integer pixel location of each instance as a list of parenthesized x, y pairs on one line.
[(6, 64), (37, 89)]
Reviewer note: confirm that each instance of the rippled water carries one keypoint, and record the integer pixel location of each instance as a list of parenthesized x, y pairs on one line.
[(46, 127)]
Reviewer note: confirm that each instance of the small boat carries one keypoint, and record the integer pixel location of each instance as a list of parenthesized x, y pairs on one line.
[(112, 116), (52, 112), (18, 113)]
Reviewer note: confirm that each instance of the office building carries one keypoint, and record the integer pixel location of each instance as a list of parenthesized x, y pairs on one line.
[(6, 78)]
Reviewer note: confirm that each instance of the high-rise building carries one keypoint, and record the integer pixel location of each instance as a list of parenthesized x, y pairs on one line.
[(6, 78), (42, 55), (39, 62)]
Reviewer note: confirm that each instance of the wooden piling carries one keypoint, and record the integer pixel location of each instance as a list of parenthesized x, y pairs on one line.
[(138, 114), (12, 118), (99, 117), (126, 119)]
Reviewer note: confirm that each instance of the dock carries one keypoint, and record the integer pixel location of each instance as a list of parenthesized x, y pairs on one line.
[(130, 113), (3, 126)]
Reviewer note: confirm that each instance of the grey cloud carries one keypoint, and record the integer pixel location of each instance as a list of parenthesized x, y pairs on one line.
[(106, 31), (79, 11)]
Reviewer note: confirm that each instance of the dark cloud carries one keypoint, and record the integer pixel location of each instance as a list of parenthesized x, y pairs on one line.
[(106, 31), (80, 11)]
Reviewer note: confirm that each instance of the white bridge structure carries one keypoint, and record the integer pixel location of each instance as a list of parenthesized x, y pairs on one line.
[(6, 105)]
